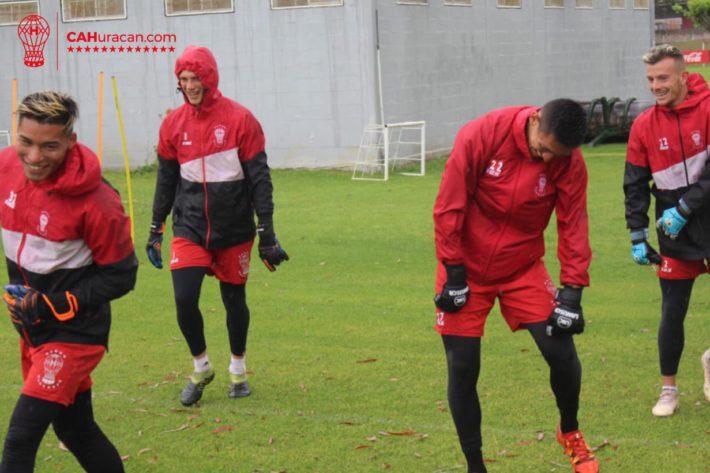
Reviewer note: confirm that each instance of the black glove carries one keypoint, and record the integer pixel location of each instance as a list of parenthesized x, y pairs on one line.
[(31, 307), (566, 317), (155, 243), (454, 294), (270, 250)]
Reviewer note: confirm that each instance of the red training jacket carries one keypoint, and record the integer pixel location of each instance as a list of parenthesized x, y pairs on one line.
[(670, 147), (495, 201), (67, 233), (212, 169)]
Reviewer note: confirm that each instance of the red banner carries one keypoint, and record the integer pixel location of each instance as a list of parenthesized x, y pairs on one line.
[(696, 56)]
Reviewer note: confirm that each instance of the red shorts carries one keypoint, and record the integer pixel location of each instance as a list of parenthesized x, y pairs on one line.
[(230, 265), (527, 299), (57, 372), (672, 268)]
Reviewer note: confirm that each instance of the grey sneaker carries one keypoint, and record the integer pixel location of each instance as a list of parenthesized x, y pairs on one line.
[(238, 386), (667, 403), (193, 391)]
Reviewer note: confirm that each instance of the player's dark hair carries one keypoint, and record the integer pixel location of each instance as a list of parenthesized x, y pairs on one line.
[(49, 107), (565, 120)]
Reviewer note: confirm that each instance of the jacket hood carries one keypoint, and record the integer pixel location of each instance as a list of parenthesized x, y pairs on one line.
[(200, 61), (697, 92), (80, 173)]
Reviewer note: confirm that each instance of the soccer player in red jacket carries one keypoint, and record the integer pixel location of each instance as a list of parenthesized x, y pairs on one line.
[(212, 173), (508, 171), (69, 252), (669, 145)]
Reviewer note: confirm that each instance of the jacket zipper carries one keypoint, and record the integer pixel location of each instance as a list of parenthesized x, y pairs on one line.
[(682, 149), (204, 189), (18, 256), (505, 225)]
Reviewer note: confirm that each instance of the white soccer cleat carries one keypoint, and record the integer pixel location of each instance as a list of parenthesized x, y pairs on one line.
[(705, 359), (667, 403)]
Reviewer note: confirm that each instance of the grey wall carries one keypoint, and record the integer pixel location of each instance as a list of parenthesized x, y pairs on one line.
[(307, 74), (449, 64)]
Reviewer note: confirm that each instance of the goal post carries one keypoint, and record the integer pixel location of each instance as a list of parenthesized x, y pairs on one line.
[(5, 139), (385, 149)]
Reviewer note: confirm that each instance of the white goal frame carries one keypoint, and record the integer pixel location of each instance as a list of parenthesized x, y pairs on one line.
[(5, 135), (380, 149)]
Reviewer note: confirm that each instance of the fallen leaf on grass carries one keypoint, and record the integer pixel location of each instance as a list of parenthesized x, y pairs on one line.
[(62, 447), (524, 443), (125, 458), (182, 427), (540, 436), (386, 466), (367, 360), (417, 455), (154, 459), (271, 440), (507, 454), (223, 428), (347, 422), (144, 450), (399, 434), (361, 447), (372, 439), (605, 443)]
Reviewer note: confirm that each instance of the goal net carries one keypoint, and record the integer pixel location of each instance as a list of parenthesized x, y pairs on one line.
[(394, 147)]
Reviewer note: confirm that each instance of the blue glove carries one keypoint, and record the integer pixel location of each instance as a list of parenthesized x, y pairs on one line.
[(155, 242), (641, 251), (673, 220)]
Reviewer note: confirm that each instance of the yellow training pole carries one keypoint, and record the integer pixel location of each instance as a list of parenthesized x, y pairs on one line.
[(126, 162), (13, 136), (100, 131)]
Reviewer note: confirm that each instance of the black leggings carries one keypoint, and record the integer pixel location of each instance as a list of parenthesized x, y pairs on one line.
[(671, 337), (187, 283), (463, 357), (74, 426)]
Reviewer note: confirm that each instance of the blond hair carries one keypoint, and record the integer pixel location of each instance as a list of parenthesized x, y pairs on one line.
[(662, 51), (49, 107)]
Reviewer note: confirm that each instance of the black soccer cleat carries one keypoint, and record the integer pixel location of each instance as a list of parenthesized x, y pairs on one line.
[(193, 391)]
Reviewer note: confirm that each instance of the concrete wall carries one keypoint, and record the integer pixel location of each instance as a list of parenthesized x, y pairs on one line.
[(307, 74), (449, 64)]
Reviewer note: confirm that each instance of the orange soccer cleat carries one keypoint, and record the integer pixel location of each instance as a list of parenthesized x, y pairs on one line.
[(580, 455)]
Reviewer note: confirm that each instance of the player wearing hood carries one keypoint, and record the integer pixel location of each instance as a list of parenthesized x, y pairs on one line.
[(213, 174)]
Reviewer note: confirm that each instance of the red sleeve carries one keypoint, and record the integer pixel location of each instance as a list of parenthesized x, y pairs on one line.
[(458, 183), (636, 151), (250, 137), (107, 228), (573, 248), (166, 146)]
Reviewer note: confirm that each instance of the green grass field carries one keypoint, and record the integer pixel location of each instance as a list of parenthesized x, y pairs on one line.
[(347, 372)]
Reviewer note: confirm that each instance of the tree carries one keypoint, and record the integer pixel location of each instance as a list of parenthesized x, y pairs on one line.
[(696, 10)]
